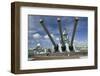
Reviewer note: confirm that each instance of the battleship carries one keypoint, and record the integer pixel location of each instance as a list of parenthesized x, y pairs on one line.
[(66, 48)]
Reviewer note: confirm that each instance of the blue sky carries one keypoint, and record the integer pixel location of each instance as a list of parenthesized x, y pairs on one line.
[(36, 33)]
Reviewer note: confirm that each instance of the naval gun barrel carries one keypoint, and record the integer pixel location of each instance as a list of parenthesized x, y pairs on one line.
[(74, 30), (73, 33), (61, 35), (50, 37)]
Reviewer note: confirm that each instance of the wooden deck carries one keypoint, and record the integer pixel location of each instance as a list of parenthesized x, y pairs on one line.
[(73, 55)]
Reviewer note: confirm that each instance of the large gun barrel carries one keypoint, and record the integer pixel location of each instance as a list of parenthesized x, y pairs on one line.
[(74, 30), (61, 34), (50, 37), (73, 33)]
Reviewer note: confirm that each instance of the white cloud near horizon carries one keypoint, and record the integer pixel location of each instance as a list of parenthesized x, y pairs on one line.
[(81, 43), (36, 36)]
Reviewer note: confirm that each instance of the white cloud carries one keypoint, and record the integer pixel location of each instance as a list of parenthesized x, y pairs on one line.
[(46, 36), (36, 35), (52, 35), (81, 43), (57, 39)]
